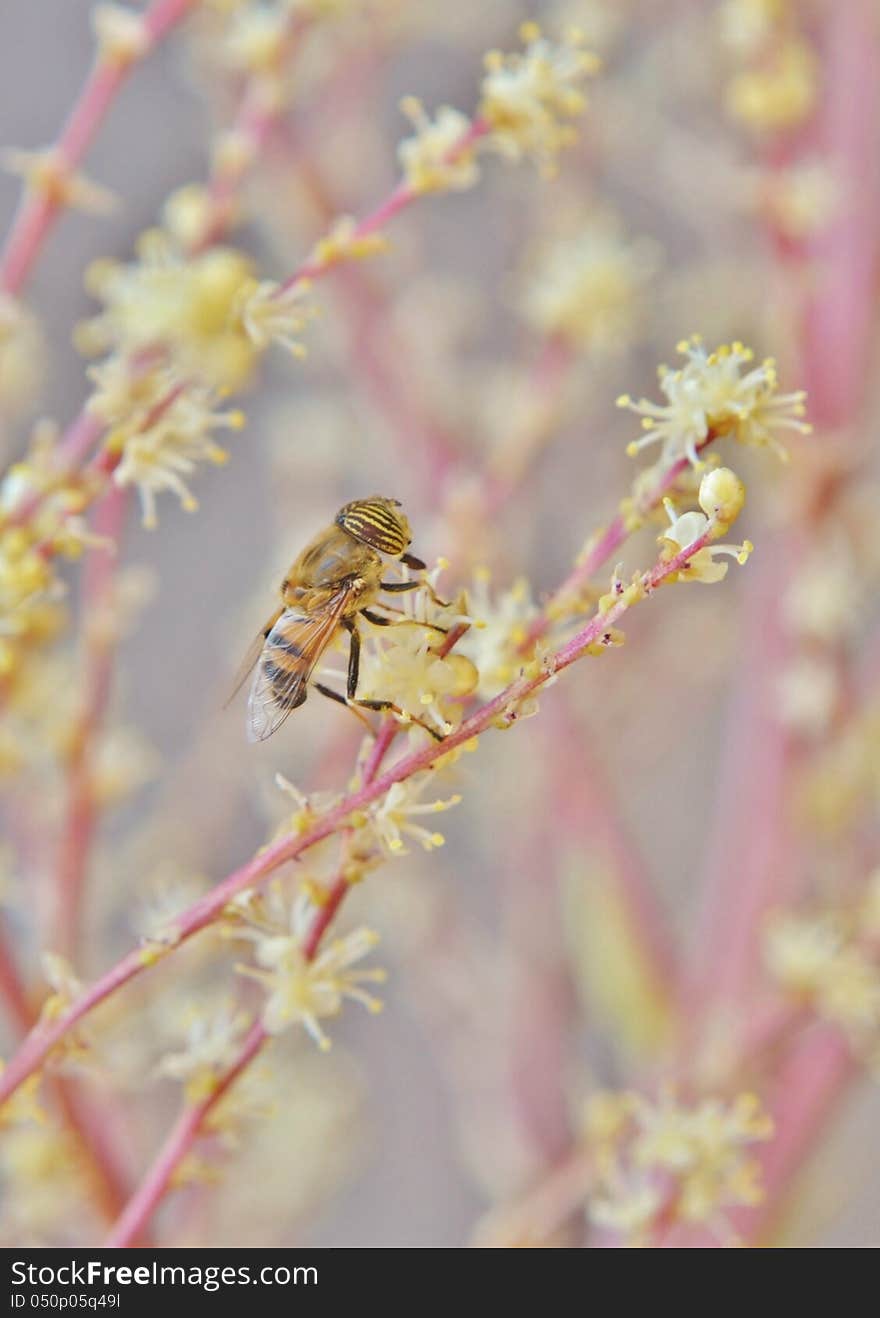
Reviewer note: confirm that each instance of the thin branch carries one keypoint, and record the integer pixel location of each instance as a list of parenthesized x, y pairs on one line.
[(502, 708)]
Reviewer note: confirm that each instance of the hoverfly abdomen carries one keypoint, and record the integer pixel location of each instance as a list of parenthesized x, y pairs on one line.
[(378, 523), (287, 692), (287, 645)]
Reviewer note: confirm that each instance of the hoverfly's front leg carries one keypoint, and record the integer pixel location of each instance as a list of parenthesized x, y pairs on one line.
[(382, 706), (377, 620), (389, 707), (395, 587)]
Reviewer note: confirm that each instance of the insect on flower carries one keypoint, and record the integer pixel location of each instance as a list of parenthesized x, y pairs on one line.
[(334, 581)]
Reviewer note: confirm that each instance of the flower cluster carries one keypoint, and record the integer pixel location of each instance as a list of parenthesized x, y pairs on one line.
[(393, 819), (299, 990), (179, 332), (588, 290), (437, 158), (662, 1160), (529, 98), (827, 961), (408, 665), (498, 632), (713, 395), (721, 497), (211, 1040), (775, 83)]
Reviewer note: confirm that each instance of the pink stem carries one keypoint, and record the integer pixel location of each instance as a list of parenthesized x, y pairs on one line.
[(45, 1036), (191, 1122), (81, 814), (611, 539), (183, 1136), (402, 197), (12, 988), (586, 811), (38, 213), (841, 310)]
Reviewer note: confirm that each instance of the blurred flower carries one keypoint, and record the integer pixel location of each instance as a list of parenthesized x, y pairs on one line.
[(200, 310), (48, 174), (588, 290), (526, 98), (498, 631), (818, 960), (808, 693), (825, 599), (662, 1160), (778, 94), (122, 36), (22, 357), (747, 25), (302, 992), (160, 457), (800, 201), (212, 1039), (435, 159), (273, 314)]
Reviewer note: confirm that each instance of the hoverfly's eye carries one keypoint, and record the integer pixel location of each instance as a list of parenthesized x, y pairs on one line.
[(376, 522)]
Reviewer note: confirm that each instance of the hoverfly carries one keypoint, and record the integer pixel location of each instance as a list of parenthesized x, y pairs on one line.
[(335, 579)]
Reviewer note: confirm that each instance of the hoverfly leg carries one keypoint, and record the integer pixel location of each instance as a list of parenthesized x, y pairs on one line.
[(382, 706), (395, 587), (340, 699), (389, 707), (377, 620), (354, 658)]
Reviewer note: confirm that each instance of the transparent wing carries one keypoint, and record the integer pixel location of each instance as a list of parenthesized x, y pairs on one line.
[(287, 661), (254, 650)]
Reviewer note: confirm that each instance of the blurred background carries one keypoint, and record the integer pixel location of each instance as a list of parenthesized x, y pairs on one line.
[(517, 985)]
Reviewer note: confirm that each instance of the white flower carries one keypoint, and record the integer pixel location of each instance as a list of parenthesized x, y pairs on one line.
[(587, 290), (271, 313), (435, 159), (162, 456), (498, 631), (815, 959), (628, 1206), (808, 692), (211, 1043), (391, 818), (302, 992), (685, 530), (401, 664), (122, 36), (527, 97), (705, 1147), (710, 397)]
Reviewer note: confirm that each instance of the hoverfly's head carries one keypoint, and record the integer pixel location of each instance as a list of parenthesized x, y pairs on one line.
[(377, 522)]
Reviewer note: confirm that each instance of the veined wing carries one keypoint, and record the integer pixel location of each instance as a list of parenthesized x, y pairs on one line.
[(254, 650), (288, 658)]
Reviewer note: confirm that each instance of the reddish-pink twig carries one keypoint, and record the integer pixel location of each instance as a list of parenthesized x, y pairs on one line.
[(45, 1037), (39, 212), (189, 1126)]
